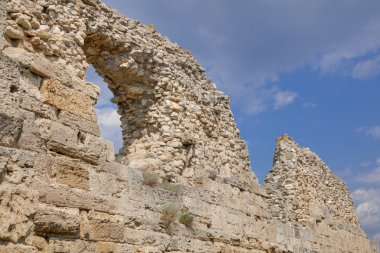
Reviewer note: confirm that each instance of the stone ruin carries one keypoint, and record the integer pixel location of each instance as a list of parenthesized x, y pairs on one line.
[(61, 189)]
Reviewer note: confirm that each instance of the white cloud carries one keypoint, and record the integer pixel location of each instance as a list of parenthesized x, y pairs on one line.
[(371, 177), (372, 131), (105, 95), (109, 123), (368, 210), (250, 43), (106, 112), (367, 68), (283, 98), (108, 117)]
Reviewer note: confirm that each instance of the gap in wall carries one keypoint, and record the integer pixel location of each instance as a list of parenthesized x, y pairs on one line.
[(106, 111)]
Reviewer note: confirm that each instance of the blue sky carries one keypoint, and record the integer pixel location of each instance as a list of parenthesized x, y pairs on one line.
[(307, 68)]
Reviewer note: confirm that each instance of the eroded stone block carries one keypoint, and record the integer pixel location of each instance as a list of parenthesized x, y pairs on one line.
[(17, 248), (17, 207), (64, 98), (71, 173), (10, 129), (105, 227), (75, 198), (62, 222)]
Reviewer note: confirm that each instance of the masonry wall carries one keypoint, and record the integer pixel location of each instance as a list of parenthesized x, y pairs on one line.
[(61, 189)]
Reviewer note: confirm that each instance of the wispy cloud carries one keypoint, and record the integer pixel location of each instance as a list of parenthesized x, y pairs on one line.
[(367, 68), (371, 177), (250, 43), (371, 131), (367, 198), (368, 208), (109, 123), (283, 98)]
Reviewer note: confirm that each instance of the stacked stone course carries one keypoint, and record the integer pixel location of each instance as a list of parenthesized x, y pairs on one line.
[(61, 189)]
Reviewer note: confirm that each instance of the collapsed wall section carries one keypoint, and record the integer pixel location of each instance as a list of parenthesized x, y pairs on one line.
[(303, 191)]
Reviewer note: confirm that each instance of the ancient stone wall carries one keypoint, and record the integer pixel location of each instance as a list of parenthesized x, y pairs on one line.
[(61, 189), (302, 189)]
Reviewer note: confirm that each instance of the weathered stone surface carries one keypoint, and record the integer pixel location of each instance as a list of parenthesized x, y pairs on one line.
[(102, 227), (70, 172), (61, 189), (302, 189), (3, 17), (74, 143), (66, 99), (10, 130), (67, 197), (17, 248), (17, 207), (52, 221), (16, 166)]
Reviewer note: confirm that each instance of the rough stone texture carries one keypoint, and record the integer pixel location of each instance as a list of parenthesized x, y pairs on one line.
[(10, 129), (302, 189), (61, 189)]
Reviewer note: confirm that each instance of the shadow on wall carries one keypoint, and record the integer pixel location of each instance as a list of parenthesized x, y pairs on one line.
[(106, 112)]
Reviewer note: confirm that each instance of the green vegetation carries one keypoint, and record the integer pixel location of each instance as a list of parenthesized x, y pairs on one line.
[(186, 219)]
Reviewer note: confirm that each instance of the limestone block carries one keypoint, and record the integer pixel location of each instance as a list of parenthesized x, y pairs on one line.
[(35, 106), (40, 243), (52, 221), (72, 246), (105, 183), (66, 99), (71, 173), (17, 207), (104, 227), (42, 67), (106, 247), (74, 143), (30, 138), (16, 165), (10, 74), (146, 237), (78, 122), (17, 248), (75, 198), (10, 129)]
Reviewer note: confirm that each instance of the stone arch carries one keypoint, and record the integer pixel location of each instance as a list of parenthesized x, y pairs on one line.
[(174, 121), (133, 92)]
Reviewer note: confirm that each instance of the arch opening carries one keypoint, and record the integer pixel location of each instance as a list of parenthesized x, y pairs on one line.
[(124, 71), (106, 111)]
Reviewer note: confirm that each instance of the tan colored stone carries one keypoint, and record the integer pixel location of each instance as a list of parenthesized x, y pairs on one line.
[(106, 247), (41, 244), (64, 98), (71, 173), (17, 207), (52, 221), (105, 227)]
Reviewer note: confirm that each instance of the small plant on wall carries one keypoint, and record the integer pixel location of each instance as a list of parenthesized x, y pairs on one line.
[(186, 219), (169, 214), (150, 178)]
